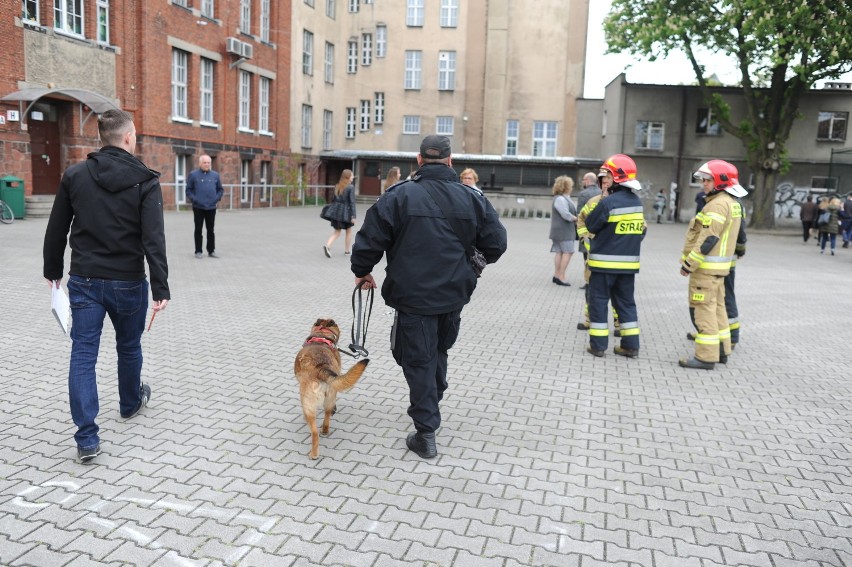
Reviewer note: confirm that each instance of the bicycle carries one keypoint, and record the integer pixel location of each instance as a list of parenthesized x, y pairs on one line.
[(6, 214)]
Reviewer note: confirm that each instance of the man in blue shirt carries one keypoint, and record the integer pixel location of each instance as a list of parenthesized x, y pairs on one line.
[(204, 189)]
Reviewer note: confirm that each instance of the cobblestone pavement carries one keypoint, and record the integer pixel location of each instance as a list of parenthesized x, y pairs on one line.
[(548, 456)]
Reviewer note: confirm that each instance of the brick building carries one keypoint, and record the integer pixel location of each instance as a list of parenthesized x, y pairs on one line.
[(198, 76)]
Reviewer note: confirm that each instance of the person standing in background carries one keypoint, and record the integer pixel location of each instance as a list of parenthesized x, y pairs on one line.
[(204, 189), (808, 214), (344, 193), (563, 228), (469, 177), (660, 205), (392, 178)]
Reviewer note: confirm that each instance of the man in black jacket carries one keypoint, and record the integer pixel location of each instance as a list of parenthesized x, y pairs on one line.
[(113, 206), (429, 276)]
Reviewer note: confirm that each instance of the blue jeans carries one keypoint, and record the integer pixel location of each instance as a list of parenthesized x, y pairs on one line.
[(126, 303)]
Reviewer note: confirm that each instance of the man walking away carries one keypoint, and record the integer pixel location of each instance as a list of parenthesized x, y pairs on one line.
[(204, 189)]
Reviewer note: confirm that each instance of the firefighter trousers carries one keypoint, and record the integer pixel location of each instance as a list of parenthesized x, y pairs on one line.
[(731, 307), (707, 310), (618, 288)]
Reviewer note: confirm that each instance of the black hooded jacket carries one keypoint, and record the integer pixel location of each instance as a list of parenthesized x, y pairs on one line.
[(113, 206)]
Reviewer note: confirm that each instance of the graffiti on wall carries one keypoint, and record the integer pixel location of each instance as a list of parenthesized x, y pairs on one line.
[(789, 199)]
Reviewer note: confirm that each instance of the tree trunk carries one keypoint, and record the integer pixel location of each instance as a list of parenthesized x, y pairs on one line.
[(764, 198)]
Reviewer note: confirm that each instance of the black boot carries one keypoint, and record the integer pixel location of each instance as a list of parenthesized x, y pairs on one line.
[(423, 444)]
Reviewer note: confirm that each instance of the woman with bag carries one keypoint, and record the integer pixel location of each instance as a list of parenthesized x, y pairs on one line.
[(341, 212), (563, 228), (831, 226)]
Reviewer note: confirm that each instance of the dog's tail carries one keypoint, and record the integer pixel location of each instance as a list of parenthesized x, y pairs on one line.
[(346, 381)]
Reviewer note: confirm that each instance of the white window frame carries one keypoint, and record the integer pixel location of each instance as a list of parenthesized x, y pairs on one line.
[(181, 169), (245, 175), (379, 105), (265, 178), (446, 70), (366, 49), (327, 128), (712, 128), (365, 115), (512, 129), (102, 25), (834, 119), (329, 63), (245, 16), (545, 137), (648, 133), (244, 102), (330, 8), (206, 91), (264, 89), (410, 124), (182, 3), (350, 122), (307, 125), (381, 41), (307, 52), (413, 70), (354, 6), (444, 125), (180, 79), (449, 13), (415, 13), (208, 9), (70, 22), (352, 57), (265, 17), (26, 16)]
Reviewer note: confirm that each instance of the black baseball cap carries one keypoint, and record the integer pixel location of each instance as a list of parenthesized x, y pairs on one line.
[(435, 147)]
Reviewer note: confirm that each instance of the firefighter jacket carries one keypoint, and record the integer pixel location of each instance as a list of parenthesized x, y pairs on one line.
[(618, 226), (582, 231), (712, 236)]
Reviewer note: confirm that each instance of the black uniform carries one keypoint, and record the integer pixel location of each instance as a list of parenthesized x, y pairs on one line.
[(428, 278)]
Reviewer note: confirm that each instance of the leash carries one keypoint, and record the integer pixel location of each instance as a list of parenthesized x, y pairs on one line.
[(360, 323)]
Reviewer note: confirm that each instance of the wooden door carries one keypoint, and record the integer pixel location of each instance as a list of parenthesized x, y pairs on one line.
[(44, 148)]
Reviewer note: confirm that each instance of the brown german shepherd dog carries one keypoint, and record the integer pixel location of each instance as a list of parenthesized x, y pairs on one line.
[(317, 369)]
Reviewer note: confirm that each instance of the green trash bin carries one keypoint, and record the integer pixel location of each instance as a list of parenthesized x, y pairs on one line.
[(12, 191)]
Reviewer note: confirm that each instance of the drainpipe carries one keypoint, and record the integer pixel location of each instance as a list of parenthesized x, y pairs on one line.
[(679, 156)]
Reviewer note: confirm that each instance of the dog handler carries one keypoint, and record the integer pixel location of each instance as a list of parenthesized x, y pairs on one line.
[(429, 274)]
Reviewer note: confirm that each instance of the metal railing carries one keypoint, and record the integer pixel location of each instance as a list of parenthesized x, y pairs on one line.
[(254, 196)]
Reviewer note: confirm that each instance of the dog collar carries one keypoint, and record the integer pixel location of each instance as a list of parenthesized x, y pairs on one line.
[(327, 342)]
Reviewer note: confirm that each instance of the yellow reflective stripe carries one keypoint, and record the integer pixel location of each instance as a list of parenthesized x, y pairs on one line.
[(629, 332), (614, 265), (697, 256), (582, 231), (724, 334), (589, 207), (626, 217), (706, 339), (715, 216), (598, 332)]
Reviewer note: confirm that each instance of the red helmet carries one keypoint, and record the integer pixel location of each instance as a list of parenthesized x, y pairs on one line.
[(724, 176), (623, 170)]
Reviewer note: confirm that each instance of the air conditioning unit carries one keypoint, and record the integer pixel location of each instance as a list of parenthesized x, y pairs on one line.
[(247, 50), (233, 45)]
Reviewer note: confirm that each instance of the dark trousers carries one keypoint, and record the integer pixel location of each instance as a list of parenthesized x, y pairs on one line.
[(618, 288), (731, 307), (806, 229), (419, 344), (203, 216)]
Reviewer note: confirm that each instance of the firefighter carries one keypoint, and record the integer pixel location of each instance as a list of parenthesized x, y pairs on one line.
[(707, 255), (618, 225)]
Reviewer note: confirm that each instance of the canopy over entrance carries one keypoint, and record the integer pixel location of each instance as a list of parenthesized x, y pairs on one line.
[(97, 102)]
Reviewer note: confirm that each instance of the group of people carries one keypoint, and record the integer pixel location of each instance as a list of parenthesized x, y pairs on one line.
[(826, 219)]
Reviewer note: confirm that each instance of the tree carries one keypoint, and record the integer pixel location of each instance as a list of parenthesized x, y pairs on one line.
[(782, 47)]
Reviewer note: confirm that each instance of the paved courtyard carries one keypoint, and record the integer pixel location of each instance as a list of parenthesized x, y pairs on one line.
[(548, 456)]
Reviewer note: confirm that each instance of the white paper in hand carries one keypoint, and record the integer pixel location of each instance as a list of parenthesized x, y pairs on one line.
[(61, 307)]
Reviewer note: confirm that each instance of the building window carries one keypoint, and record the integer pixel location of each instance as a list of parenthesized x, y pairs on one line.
[(265, 179), (649, 135), (329, 62), (410, 124), (179, 77), (207, 82), (245, 179), (350, 122), (208, 9), (827, 183), (449, 13), (307, 117), (352, 57), (29, 10), (414, 13), (264, 20), (244, 103), (446, 70), (330, 8), (412, 69), (365, 115), (327, 124), (102, 7), (181, 163), (380, 107), (180, 3), (832, 126), (511, 137), (264, 87), (245, 16), (68, 16), (544, 139), (366, 48), (381, 40), (354, 6), (308, 53), (310, 3), (444, 125), (705, 123)]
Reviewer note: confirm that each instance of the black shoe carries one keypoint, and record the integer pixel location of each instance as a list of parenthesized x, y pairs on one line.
[(146, 395), (584, 286), (693, 362), (628, 352), (582, 327), (326, 251), (423, 444), (690, 336), (595, 352), (212, 255), (557, 281), (86, 455)]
